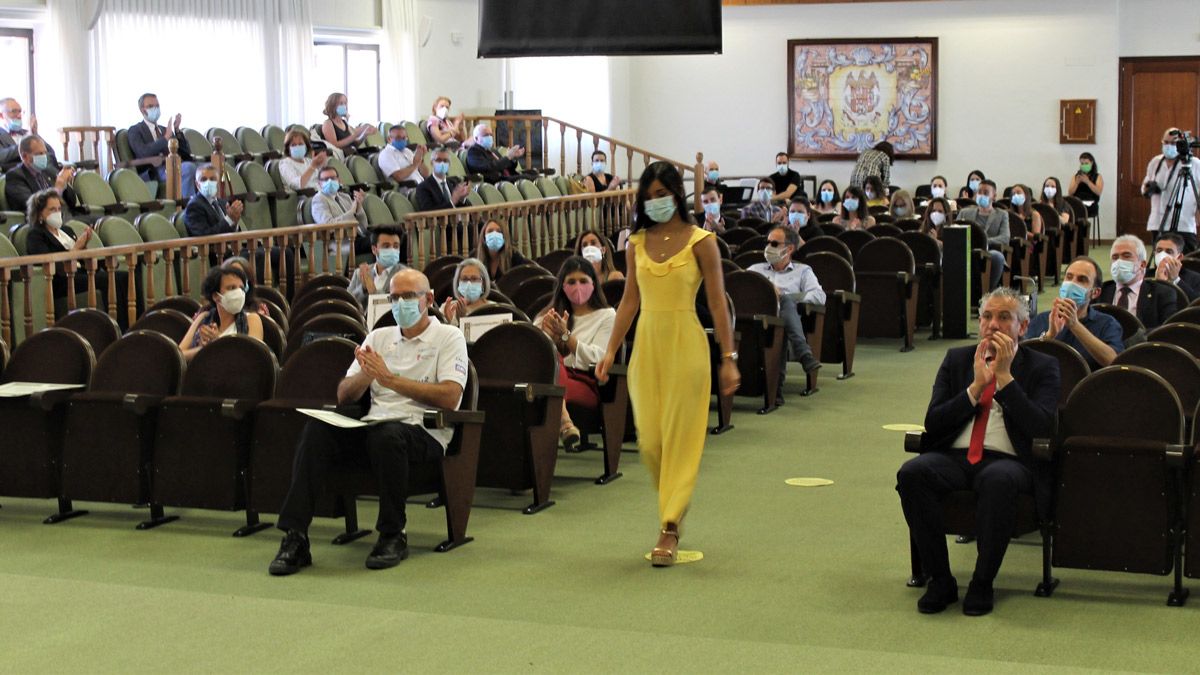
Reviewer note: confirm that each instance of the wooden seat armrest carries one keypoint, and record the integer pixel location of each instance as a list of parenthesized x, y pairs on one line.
[(1043, 449), (237, 408), (618, 370), (1178, 456), (49, 400), (913, 441), (153, 205), (768, 320), (535, 390), (140, 404), (437, 418), (847, 296), (307, 192)]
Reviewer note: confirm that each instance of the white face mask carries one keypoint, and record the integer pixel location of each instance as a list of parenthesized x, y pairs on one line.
[(937, 218), (1049, 191), (593, 254), (233, 301), (937, 191), (54, 220), (442, 111), (1160, 257)]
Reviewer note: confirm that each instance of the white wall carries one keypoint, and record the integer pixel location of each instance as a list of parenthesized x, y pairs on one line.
[(449, 69)]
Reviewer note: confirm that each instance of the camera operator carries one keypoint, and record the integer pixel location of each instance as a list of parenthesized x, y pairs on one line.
[(1163, 175)]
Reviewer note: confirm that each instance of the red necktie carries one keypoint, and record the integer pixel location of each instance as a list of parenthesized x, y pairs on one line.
[(975, 452)]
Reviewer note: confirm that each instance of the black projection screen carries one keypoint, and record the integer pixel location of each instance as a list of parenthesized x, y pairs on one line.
[(511, 28)]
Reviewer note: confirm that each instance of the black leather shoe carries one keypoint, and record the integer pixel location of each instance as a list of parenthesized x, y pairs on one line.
[(939, 594), (293, 554), (388, 552), (979, 599), (810, 365)]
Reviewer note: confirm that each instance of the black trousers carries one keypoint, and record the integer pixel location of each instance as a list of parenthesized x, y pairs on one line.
[(997, 480), (386, 448)]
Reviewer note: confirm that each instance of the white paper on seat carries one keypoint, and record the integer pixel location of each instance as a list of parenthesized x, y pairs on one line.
[(332, 418), (16, 389), (378, 305), (473, 327)]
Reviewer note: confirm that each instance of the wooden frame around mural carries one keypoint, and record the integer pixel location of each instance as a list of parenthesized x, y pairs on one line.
[(846, 95)]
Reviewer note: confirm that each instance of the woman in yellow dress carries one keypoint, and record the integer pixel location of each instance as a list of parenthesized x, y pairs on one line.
[(669, 380)]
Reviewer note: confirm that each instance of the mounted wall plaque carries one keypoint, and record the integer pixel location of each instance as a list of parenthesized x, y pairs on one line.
[(1077, 121)]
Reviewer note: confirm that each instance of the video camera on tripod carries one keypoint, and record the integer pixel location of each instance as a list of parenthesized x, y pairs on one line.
[(1184, 183), (1184, 143)]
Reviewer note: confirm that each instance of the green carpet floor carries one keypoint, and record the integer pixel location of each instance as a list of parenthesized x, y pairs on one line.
[(793, 579)]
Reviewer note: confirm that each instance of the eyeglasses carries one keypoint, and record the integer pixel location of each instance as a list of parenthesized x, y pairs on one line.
[(410, 295), (774, 244)]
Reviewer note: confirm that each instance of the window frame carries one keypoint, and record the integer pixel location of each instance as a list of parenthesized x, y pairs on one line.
[(347, 46), (26, 33)]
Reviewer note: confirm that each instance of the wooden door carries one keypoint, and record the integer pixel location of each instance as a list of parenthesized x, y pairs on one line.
[(1156, 94)]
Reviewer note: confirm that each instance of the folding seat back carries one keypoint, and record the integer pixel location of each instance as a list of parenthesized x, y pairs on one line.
[(763, 345), (531, 294), (928, 257), (282, 203), (186, 305), (528, 189), (855, 240), (254, 143), (129, 188), (755, 244), (229, 145), (744, 259), (323, 293), (1186, 315), (325, 325), (885, 230), (1072, 369), (364, 173), (547, 187), (1186, 335), (440, 263), (93, 325), (490, 194), (345, 176), (415, 135), (301, 313), (116, 231), (203, 438), (734, 236), (121, 405), (842, 306), (399, 205), (1175, 365), (497, 307), (824, 244), (511, 193), (473, 199), (553, 261), (274, 137), (201, 148), (909, 224), (1132, 330), (170, 322), (274, 337), (309, 379), (30, 457), (1117, 500), (886, 274), (319, 281), (520, 393), (273, 295), (516, 276), (98, 197), (377, 211)]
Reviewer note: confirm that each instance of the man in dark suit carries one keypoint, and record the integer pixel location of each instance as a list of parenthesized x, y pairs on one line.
[(481, 159), (435, 192), (206, 214), (35, 173), (148, 138), (1129, 288), (12, 130), (1168, 265), (989, 402)]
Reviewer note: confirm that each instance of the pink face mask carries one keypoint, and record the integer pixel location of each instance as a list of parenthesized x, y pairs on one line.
[(580, 293)]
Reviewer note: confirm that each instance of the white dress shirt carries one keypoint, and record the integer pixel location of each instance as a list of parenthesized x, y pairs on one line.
[(591, 332), (797, 279), (1167, 177), (392, 160)]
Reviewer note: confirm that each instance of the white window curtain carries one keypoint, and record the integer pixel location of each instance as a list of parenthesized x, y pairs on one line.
[(399, 61), (218, 63), (61, 57)]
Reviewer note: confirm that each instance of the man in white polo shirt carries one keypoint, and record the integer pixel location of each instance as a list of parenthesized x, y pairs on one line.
[(415, 365), (402, 164)]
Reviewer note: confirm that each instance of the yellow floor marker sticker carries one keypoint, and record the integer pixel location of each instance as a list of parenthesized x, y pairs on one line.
[(904, 427), (685, 557), (809, 482)]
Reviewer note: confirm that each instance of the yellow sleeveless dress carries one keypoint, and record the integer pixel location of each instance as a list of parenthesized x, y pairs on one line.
[(669, 378)]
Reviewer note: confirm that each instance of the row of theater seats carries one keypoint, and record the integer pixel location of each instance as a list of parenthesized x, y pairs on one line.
[(1125, 457)]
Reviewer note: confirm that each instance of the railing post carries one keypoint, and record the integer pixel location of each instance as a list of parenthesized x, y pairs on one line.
[(5, 306), (698, 182), (27, 272), (174, 189), (218, 161)]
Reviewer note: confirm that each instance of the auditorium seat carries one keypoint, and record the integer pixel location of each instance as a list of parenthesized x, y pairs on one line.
[(528, 189), (399, 205), (762, 347), (201, 148), (93, 325), (170, 322), (130, 381), (272, 294), (129, 188), (855, 240), (498, 307), (1082, 225), (553, 261), (230, 146), (824, 244), (366, 174), (274, 137), (734, 236), (256, 213), (282, 203), (202, 442), (510, 191), (453, 479), (1027, 250), (885, 229), (184, 304), (490, 194), (273, 337), (520, 393), (928, 258), (1052, 237), (529, 293), (1072, 369), (1179, 368), (309, 379), (1186, 335), (842, 305), (1131, 523), (324, 325), (515, 276), (276, 313), (323, 293), (254, 143), (885, 272), (1186, 315), (1132, 330), (9, 216), (441, 262), (98, 198), (319, 281), (31, 455), (744, 259)]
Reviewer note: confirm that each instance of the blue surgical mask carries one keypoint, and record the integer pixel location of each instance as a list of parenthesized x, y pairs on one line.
[(900, 211), (713, 175), (797, 219), (1170, 151), (441, 168), (494, 241), (1018, 198), (850, 203), (598, 167), (781, 169), (827, 196), (388, 257), (208, 188), (400, 144), (486, 142), (471, 290), (983, 201), (973, 184), (713, 209), (765, 195), (406, 312), (40, 162), (152, 114), (1123, 271), (660, 210), (298, 151), (341, 110), (14, 124), (1073, 292), (330, 187)]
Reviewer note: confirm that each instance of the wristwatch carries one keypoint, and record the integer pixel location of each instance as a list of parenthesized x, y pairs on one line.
[(565, 337), (730, 355)]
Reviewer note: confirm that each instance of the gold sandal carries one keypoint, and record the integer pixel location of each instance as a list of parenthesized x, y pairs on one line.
[(664, 556)]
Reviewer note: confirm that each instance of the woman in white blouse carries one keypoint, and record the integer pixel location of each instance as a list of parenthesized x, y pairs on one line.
[(579, 322), (298, 170)]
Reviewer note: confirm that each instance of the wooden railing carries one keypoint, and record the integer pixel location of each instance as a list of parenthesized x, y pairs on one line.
[(626, 160), (323, 244), (536, 226), (101, 140)]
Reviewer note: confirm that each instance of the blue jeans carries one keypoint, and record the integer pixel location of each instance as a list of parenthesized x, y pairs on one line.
[(187, 178), (997, 267), (794, 331)]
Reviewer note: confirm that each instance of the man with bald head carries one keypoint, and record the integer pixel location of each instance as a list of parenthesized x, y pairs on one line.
[(417, 364), (484, 160)]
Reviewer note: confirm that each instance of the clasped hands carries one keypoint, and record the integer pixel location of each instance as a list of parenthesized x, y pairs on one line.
[(372, 365), (993, 362), (1063, 314)]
